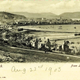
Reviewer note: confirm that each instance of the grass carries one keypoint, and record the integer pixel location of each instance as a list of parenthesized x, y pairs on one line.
[(18, 55), (11, 57), (27, 56)]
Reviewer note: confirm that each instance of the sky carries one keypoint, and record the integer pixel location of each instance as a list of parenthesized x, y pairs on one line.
[(39, 6)]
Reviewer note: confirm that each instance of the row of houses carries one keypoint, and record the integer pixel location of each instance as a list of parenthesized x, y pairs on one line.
[(44, 21)]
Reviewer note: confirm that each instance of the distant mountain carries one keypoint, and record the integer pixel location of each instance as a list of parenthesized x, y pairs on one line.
[(50, 15), (37, 15), (70, 15)]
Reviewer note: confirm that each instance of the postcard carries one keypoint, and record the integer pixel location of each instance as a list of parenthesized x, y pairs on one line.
[(39, 39)]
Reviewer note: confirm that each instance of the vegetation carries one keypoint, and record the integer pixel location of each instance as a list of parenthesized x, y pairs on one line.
[(19, 38), (19, 20), (18, 55)]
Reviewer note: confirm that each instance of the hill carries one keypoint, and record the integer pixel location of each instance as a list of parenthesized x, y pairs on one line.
[(37, 15), (50, 15), (6, 17), (70, 15)]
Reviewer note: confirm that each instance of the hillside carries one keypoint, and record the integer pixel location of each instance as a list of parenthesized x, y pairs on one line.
[(6, 17), (70, 15), (50, 15)]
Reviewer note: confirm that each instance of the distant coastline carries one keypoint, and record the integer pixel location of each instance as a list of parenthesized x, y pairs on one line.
[(18, 19)]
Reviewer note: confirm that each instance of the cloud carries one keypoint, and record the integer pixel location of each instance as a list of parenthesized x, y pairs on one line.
[(64, 4), (71, 4), (15, 5), (40, 6), (57, 5)]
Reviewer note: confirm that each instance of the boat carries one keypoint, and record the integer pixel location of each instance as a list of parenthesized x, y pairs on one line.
[(77, 34)]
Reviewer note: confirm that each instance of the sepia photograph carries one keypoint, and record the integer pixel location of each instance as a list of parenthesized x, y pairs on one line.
[(40, 31), (39, 39)]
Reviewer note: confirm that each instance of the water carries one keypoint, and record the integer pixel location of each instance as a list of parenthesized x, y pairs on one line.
[(53, 32), (60, 28)]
